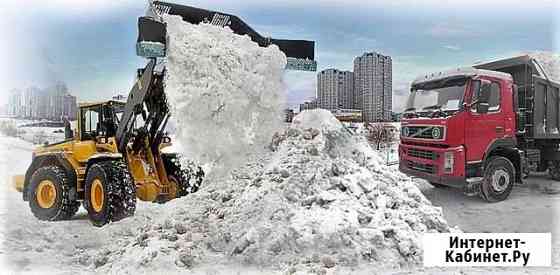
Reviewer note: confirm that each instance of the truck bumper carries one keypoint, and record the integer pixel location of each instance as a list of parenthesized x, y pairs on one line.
[(453, 181), (429, 163)]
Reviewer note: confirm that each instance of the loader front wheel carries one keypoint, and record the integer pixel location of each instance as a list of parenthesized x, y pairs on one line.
[(110, 194), (52, 196), (187, 179)]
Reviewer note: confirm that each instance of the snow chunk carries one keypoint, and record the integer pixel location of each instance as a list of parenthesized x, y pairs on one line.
[(317, 119), (225, 92)]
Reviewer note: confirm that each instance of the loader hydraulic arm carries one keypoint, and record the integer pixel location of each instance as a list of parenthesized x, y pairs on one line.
[(146, 99)]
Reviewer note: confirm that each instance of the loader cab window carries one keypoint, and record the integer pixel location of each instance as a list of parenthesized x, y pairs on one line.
[(110, 119), (90, 121), (494, 101)]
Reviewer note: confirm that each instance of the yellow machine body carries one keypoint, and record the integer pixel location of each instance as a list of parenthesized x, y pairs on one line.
[(147, 170)]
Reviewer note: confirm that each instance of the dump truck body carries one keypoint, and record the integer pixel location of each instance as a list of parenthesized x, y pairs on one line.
[(537, 101)]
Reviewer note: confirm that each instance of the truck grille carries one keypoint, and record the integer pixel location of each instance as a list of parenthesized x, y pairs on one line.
[(422, 167), (423, 154), (424, 132)]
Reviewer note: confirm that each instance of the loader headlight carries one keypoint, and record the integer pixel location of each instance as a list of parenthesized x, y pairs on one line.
[(448, 162)]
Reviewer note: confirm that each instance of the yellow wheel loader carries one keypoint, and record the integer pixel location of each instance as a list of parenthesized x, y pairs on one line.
[(115, 154), (114, 158)]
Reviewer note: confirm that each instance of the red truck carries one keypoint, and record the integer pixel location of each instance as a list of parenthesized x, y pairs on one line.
[(482, 129)]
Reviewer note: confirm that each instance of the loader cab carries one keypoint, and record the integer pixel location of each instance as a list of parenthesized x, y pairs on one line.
[(99, 120)]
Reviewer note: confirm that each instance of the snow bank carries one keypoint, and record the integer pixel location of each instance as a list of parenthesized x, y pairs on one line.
[(319, 198), (225, 92)]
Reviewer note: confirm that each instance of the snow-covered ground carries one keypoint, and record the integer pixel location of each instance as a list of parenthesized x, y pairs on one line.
[(36, 135), (30, 246), (40, 135)]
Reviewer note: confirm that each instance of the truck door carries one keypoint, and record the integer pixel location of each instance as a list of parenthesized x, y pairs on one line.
[(483, 129)]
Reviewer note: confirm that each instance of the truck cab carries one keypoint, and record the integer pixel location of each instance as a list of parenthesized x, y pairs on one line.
[(451, 121)]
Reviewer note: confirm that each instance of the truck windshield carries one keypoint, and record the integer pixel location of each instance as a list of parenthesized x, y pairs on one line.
[(448, 96)]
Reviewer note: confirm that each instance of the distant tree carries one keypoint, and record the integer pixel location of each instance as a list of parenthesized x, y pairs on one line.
[(379, 134), (8, 128)]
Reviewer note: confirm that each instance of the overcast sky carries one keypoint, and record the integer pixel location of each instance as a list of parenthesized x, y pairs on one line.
[(90, 44)]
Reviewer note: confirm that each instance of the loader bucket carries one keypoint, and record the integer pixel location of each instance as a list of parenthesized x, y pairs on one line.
[(152, 34), (17, 182), (151, 38)]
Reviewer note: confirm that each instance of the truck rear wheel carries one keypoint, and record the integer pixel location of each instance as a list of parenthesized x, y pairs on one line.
[(499, 177), (110, 193), (51, 196)]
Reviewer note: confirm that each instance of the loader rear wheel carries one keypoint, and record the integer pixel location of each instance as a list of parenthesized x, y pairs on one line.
[(188, 179), (52, 197), (110, 194), (499, 177)]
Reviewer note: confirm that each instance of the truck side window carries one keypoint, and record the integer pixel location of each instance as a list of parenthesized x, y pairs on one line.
[(494, 101)]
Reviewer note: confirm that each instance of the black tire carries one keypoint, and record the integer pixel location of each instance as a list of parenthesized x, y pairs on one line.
[(119, 192), (499, 178), (189, 178), (64, 206), (554, 170), (437, 185)]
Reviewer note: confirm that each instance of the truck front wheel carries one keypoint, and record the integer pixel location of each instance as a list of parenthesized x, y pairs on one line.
[(437, 185), (554, 170), (499, 176)]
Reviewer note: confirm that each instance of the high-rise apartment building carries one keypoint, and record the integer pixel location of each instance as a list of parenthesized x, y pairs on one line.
[(335, 89), (52, 103), (373, 91)]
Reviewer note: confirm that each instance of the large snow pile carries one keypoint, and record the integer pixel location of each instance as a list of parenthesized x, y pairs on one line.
[(320, 197), (225, 91)]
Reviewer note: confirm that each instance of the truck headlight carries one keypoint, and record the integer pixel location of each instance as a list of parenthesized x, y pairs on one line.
[(448, 162), (405, 132)]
